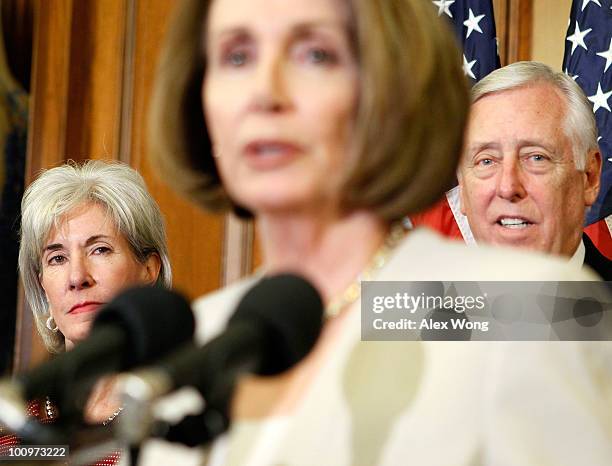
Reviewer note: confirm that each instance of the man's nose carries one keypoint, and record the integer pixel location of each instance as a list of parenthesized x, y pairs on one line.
[(80, 274), (270, 90), (510, 182)]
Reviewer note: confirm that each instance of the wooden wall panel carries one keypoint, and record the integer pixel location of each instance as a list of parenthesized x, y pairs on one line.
[(50, 85), (97, 40), (195, 238), (500, 10), (520, 14), (549, 28), (513, 21)]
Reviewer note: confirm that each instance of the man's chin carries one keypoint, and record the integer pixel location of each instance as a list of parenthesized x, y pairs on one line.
[(524, 239), (526, 235)]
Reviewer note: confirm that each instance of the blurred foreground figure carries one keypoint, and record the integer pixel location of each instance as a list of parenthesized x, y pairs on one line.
[(329, 121)]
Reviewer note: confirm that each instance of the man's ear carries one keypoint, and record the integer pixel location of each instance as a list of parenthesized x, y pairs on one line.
[(153, 267), (592, 176)]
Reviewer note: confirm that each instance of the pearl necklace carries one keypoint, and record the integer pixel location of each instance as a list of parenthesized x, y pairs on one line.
[(378, 261)]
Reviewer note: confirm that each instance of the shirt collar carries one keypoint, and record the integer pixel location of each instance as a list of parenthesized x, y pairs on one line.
[(578, 258)]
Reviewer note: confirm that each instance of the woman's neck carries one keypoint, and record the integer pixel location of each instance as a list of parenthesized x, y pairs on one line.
[(102, 402), (330, 251)]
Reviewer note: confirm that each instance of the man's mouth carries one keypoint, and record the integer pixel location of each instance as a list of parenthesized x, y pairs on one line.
[(514, 223)]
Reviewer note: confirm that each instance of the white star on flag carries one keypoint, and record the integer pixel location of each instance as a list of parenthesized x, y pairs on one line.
[(599, 139), (443, 6), (600, 99), (573, 77), (472, 23), (586, 2), (607, 54), (467, 67), (577, 38)]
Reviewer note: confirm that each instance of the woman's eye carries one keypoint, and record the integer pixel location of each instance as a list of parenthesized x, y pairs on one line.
[(311, 53), (56, 260), (101, 250), (236, 57), (319, 55)]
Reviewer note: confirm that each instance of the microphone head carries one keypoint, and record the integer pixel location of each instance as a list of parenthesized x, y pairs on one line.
[(156, 321), (289, 310)]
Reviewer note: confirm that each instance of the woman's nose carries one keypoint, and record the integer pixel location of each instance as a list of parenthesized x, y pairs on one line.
[(510, 184), (80, 275), (270, 91)]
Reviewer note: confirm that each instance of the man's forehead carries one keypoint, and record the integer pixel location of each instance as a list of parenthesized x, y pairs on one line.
[(523, 98), (525, 114)]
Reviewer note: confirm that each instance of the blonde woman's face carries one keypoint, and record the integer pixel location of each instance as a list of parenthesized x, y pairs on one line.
[(85, 263), (279, 95)]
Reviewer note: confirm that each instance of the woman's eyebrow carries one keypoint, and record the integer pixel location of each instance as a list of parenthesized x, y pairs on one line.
[(93, 239), (90, 241), (308, 26), (232, 31), (53, 247), (302, 27)]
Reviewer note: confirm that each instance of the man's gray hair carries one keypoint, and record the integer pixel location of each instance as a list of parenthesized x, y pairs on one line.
[(57, 191), (579, 123)]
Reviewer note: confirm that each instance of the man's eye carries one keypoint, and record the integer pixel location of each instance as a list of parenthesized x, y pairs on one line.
[(484, 162), (538, 158)]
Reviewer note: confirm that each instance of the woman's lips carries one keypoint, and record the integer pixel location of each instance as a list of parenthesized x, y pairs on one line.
[(89, 306), (270, 154)]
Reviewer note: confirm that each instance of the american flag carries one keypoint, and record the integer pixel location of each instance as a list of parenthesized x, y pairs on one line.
[(474, 26), (588, 59)]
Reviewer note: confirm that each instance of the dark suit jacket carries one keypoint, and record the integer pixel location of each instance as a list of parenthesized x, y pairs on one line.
[(596, 260)]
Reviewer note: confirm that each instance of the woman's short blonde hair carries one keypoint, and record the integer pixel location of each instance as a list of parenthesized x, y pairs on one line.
[(58, 191), (413, 104)]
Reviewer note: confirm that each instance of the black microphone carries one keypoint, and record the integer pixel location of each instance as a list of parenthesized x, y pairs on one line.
[(137, 327), (274, 326)]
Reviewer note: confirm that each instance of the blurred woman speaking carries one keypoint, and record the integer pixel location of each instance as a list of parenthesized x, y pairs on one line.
[(315, 131), (329, 121)]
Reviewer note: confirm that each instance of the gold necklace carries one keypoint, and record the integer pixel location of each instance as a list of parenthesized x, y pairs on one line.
[(377, 262)]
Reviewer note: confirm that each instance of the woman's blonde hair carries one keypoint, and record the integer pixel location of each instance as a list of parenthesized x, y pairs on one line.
[(413, 104), (58, 191)]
